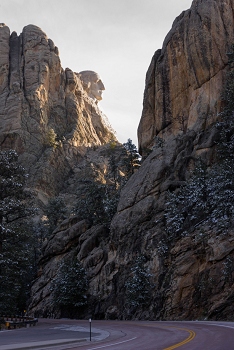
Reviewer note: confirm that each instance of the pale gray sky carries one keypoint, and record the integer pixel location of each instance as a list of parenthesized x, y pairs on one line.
[(115, 38)]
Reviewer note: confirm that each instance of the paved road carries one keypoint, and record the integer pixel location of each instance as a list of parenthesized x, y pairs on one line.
[(120, 335)]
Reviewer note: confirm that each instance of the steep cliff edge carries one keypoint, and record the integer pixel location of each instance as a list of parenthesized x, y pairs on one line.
[(185, 78), (191, 270), (45, 114), (64, 141)]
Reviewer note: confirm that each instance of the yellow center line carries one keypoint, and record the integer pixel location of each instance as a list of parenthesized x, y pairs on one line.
[(191, 336)]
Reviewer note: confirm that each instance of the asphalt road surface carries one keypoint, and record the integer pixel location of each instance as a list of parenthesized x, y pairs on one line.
[(66, 334)]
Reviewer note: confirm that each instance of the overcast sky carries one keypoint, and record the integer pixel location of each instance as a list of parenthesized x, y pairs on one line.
[(115, 38)]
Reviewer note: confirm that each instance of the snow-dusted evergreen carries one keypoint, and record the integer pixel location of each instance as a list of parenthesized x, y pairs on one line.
[(70, 286), (208, 196), (16, 240), (139, 285)]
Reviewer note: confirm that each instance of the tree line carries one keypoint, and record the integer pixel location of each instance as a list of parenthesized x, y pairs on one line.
[(21, 236)]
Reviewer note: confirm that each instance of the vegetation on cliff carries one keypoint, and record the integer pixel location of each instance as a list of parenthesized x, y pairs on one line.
[(139, 286), (70, 287), (22, 240), (17, 244), (176, 211), (207, 198)]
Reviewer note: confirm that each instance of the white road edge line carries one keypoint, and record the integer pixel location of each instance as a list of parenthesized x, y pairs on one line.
[(219, 325), (106, 346)]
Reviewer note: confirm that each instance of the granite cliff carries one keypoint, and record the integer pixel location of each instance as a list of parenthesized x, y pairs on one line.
[(51, 118), (183, 101), (190, 266), (45, 113), (186, 77)]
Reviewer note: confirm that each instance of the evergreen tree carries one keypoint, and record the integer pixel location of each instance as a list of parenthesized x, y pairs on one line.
[(16, 248), (139, 285), (70, 286), (207, 197), (97, 202), (189, 205), (90, 202), (220, 189), (115, 179), (131, 160), (113, 171), (55, 211), (174, 215), (110, 203)]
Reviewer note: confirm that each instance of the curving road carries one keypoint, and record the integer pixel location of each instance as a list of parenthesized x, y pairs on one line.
[(168, 336), (67, 334)]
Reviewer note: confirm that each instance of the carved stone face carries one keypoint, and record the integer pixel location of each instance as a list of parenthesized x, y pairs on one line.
[(92, 84)]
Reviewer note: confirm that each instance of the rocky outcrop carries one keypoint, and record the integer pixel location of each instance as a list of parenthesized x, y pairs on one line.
[(186, 77), (192, 273), (182, 101), (73, 237), (62, 138), (45, 114)]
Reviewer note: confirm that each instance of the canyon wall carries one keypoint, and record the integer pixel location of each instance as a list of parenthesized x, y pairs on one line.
[(182, 103), (185, 78), (192, 277), (45, 114)]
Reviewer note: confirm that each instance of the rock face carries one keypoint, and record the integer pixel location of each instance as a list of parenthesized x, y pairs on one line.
[(45, 114), (182, 102), (54, 123), (185, 78), (72, 237)]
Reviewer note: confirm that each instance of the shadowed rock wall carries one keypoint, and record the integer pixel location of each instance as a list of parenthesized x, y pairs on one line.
[(182, 100), (185, 78)]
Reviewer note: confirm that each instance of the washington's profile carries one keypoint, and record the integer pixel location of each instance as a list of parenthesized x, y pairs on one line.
[(92, 84)]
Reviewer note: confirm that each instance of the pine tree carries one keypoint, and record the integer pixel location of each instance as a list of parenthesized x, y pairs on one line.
[(97, 202), (139, 285), (70, 286), (90, 202), (189, 205), (131, 160), (113, 171), (174, 214), (55, 211), (16, 248), (207, 197), (220, 189)]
